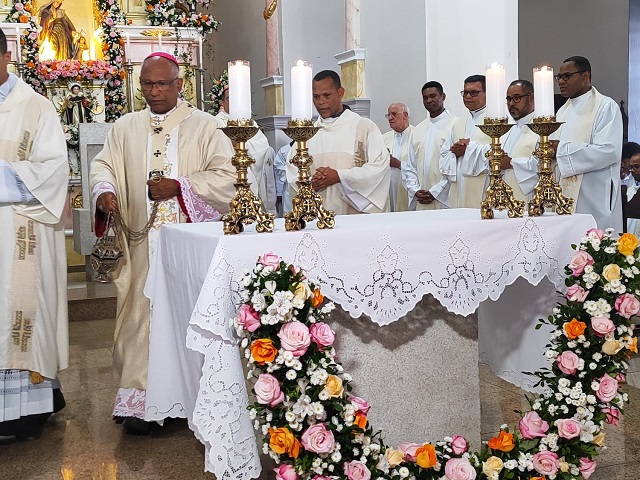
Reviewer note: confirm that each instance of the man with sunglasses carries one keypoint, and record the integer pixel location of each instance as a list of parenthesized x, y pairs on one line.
[(464, 140), (588, 146), (192, 181), (518, 165)]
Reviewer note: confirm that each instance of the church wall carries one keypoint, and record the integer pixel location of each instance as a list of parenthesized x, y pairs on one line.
[(552, 30)]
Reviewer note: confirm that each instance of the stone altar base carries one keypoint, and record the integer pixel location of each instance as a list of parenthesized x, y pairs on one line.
[(420, 373)]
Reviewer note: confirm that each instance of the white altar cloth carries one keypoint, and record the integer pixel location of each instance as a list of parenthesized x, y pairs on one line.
[(380, 265)]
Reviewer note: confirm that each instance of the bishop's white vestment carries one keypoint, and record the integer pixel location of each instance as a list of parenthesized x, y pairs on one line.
[(353, 146)]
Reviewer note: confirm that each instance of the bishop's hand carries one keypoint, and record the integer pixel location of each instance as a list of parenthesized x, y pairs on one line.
[(163, 188), (107, 202)]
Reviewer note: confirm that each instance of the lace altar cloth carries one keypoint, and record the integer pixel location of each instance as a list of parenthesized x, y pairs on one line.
[(378, 265)]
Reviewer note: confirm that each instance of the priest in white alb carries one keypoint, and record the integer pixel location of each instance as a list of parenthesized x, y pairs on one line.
[(261, 173), (189, 160), (350, 161), (427, 187), (34, 176), (520, 168), (399, 144), (464, 140), (589, 145)]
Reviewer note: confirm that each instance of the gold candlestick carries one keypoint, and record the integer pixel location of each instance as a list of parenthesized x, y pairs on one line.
[(307, 204), (499, 195), (246, 207), (547, 192)]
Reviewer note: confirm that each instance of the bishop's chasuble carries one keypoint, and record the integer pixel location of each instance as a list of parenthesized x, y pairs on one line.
[(354, 147), (400, 145), (33, 265), (187, 145)]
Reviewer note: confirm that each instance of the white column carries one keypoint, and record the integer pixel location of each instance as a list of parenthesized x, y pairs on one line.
[(352, 24)]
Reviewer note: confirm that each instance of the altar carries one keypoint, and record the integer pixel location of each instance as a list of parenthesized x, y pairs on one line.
[(416, 363)]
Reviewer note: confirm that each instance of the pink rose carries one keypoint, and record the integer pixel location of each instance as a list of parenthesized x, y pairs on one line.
[(546, 462), (355, 470), (459, 469), (568, 362), (621, 377), (322, 334), (599, 234), (409, 450), (318, 439), (579, 261), (602, 326), (459, 445), (532, 426), (248, 318), (608, 388), (586, 467), (270, 261), (612, 415), (568, 428), (285, 472), (360, 404), (267, 390), (575, 293), (294, 337), (321, 477), (627, 305)]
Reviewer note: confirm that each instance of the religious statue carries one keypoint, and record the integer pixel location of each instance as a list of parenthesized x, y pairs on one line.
[(58, 30), (76, 107)]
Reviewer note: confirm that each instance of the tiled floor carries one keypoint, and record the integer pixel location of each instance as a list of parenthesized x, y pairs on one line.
[(85, 441)]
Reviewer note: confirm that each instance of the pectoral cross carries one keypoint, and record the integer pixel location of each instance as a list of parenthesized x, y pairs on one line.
[(157, 153)]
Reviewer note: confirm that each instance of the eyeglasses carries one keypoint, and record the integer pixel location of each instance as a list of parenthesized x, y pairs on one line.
[(516, 98), (567, 76), (392, 114), (162, 85), (470, 93), (634, 167)]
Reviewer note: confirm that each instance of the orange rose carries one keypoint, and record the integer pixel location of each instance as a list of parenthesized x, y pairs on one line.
[(281, 440), (333, 386), (263, 350), (31, 64), (361, 420), (627, 244), (426, 456), (149, 8), (574, 328), (317, 298), (538, 478), (633, 346), (503, 442), (24, 19)]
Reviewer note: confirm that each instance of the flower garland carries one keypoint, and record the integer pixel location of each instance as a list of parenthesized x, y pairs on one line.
[(75, 70), (180, 13), (316, 429), (217, 92), (21, 12)]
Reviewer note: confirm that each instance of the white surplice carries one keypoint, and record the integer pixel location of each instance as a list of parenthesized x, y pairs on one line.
[(353, 146), (470, 189), (422, 171), (33, 269), (591, 148), (400, 146)]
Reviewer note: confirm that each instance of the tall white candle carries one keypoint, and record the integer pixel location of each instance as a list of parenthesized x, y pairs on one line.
[(160, 41), (239, 90), (19, 48), (496, 91), (200, 52), (301, 95), (543, 91), (128, 52)]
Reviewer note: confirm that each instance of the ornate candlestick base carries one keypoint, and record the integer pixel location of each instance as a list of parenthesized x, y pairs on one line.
[(246, 207), (547, 193), (499, 195), (307, 204)]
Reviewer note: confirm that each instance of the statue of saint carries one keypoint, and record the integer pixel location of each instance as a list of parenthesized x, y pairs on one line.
[(76, 107), (58, 29)]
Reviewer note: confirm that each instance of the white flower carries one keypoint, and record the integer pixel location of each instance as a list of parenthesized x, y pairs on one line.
[(336, 456), (323, 395), (403, 472), (510, 464), (270, 286), (289, 416)]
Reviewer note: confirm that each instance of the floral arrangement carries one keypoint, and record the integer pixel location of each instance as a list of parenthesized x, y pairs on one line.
[(71, 135), (180, 13), (22, 11), (316, 429), (75, 70), (217, 92)]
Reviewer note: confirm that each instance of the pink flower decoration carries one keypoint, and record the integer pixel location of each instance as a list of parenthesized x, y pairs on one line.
[(355, 470), (360, 404), (546, 463), (575, 293), (627, 305), (459, 469), (318, 439), (608, 388), (409, 450), (599, 234), (267, 390), (612, 415), (459, 445), (602, 326), (568, 362), (568, 428), (294, 337), (620, 377), (587, 467), (248, 318), (322, 334), (532, 426), (270, 261), (285, 472), (579, 261)]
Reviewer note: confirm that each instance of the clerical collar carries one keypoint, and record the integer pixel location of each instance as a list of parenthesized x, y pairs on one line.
[(161, 117), (7, 87), (580, 99), (526, 119), (443, 114), (476, 113)]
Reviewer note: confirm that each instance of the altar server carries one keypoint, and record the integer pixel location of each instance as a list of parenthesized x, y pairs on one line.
[(194, 157), (426, 186), (261, 173), (399, 144), (34, 176), (589, 145), (464, 140), (350, 161)]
